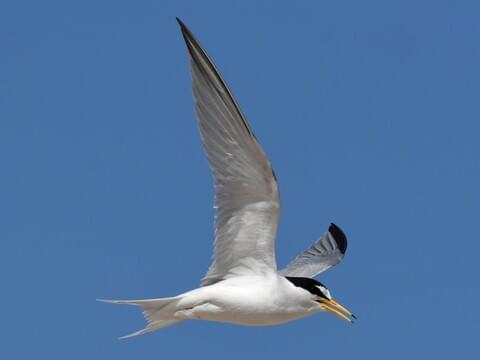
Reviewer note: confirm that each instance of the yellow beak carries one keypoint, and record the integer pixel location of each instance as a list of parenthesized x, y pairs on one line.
[(335, 308)]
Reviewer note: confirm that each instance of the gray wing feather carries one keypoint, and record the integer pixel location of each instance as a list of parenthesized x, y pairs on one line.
[(326, 252), (246, 192)]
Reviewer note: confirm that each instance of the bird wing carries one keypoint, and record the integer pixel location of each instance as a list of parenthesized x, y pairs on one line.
[(322, 255), (246, 192)]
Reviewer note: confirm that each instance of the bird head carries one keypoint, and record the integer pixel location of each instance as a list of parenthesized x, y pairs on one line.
[(322, 296)]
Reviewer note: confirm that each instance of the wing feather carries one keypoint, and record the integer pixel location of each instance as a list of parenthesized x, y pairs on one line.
[(326, 252), (246, 192)]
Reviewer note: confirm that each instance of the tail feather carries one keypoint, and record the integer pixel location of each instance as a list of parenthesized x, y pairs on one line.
[(156, 312), (156, 325)]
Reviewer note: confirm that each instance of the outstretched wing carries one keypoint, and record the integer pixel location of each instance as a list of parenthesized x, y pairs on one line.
[(322, 255), (246, 192)]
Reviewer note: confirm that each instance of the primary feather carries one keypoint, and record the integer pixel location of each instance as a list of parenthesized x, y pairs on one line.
[(246, 192), (326, 252)]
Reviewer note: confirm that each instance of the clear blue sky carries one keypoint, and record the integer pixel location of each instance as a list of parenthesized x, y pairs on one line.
[(369, 111)]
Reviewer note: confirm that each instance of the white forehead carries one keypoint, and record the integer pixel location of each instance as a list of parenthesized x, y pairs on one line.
[(325, 291)]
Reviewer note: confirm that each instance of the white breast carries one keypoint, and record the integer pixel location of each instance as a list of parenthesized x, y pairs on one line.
[(248, 300)]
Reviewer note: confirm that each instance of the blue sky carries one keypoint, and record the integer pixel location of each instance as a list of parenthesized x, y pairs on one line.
[(368, 111)]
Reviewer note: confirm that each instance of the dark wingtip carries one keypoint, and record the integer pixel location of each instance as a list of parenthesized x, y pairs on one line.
[(187, 35), (339, 237), (183, 27)]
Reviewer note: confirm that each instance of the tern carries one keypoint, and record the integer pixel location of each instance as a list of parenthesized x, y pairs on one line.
[(242, 285)]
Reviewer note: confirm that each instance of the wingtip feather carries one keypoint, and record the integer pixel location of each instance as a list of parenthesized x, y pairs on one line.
[(339, 237), (180, 22)]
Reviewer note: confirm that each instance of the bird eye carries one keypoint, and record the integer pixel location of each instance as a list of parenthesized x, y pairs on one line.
[(324, 292)]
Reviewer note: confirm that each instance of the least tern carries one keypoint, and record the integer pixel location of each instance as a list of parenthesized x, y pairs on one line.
[(243, 286)]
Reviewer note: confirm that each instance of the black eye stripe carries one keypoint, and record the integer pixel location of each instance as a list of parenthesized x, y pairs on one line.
[(311, 285)]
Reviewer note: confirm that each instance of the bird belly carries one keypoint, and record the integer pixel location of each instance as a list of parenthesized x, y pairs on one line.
[(245, 304), (240, 314)]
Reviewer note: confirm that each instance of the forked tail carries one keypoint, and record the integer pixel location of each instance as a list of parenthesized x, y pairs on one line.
[(157, 312)]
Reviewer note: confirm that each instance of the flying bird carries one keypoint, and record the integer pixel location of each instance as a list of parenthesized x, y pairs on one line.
[(242, 285)]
